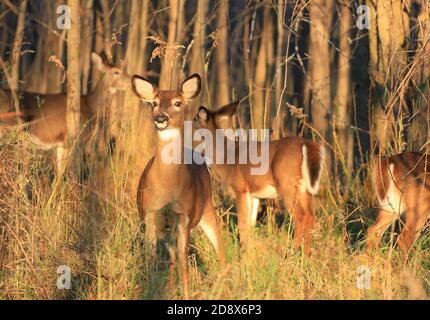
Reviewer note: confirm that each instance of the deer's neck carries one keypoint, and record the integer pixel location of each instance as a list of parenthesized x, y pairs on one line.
[(169, 154), (99, 98), (225, 155)]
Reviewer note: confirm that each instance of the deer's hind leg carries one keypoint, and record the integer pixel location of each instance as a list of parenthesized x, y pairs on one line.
[(244, 207), (299, 204), (211, 227), (416, 217)]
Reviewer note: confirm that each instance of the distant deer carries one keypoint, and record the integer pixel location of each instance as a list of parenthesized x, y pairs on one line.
[(44, 115), (295, 166), (402, 186), (177, 193)]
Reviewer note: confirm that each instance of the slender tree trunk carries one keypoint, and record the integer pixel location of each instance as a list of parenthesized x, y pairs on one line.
[(259, 105), (197, 63), (169, 74), (142, 58), (279, 123), (107, 31), (73, 81), (343, 89), (320, 12), (222, 82), (16, 54), (99, 46), (87, 41)]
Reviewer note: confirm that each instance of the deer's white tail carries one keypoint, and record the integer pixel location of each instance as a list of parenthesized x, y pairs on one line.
[(313, 161), (389, 197)]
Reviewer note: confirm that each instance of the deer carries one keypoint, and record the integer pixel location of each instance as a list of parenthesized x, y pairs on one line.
[(178, 193), (401, 187), (294, 173), (44, 115)]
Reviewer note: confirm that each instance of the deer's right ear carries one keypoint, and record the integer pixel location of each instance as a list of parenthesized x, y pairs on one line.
[(191, 86), (97, 61), (228, 110), (144, 89)]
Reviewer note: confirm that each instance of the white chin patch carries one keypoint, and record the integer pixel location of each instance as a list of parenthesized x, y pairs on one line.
[(169, 134), (160, 126)]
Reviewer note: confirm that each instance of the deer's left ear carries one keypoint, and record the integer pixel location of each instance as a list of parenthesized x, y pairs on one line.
[(203, 114), (191, 86)]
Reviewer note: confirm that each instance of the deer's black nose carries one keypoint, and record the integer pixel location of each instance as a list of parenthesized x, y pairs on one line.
[(161, 118)]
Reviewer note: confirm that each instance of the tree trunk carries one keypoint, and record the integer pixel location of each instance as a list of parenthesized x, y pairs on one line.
[(343, 88), (50, 43), (87, 42), (222, 82), (197, 63), (320, 12), (73, 117), (16, 55), (278, 121), (168, 75), (260, 106), (387, 60)]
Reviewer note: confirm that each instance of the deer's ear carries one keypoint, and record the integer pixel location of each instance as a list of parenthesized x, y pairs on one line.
[(97, 61), (191, 86), (203, 114), (228, 110), (144, 89)]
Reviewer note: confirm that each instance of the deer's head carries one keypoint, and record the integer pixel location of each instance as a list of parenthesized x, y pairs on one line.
[(168, 106), (212, 120), (114, 78)]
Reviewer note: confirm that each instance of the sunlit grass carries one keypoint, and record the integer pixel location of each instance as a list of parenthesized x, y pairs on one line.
[(96, 231)]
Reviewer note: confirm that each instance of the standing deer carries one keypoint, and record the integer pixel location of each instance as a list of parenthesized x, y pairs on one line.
[(44, 115), (294, 172), (178, 193), (401, 186)]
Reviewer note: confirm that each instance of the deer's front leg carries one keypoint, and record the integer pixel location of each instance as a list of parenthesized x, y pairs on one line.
[(375, 232), (150, 220), (183, 240)]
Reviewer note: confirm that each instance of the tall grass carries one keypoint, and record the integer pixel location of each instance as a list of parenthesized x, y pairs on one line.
[(96, 231)]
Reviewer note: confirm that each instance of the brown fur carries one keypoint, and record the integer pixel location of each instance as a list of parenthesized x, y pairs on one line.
[(284, 174), (408, 181), (45, 114), (178, 193)]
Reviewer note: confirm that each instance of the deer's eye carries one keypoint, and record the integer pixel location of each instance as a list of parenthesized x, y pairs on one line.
[(155, 103), (177, 104), (116, 73)]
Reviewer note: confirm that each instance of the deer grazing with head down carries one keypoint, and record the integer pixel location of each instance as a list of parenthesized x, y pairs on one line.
[(44, 115), (402, 186), (293, 172), (178, 194)]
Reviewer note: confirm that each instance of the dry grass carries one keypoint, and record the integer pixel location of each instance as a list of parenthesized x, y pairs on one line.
[(97, 233)]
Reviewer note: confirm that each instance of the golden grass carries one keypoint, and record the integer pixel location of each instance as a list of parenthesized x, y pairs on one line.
[(96, 231)]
